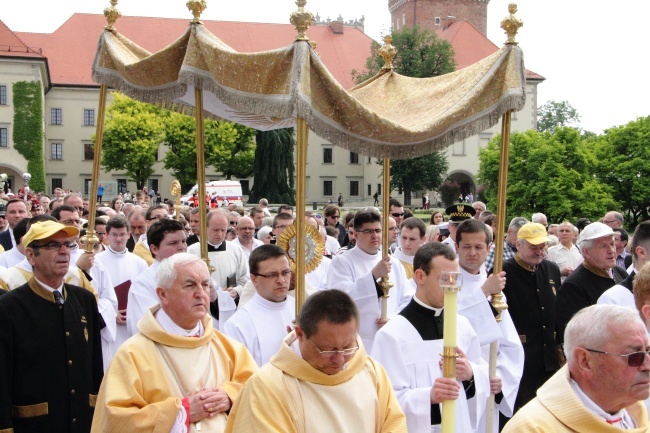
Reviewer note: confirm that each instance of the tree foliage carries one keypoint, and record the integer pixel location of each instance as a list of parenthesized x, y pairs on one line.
[(229, 148), (274, 167), (553, 115), (549, 173), (420, 54), (135, 130), (623, 153), (423, 173), (28, 129)]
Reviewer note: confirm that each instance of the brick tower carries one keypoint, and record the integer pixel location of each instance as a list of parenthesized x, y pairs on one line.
[(435, 14)]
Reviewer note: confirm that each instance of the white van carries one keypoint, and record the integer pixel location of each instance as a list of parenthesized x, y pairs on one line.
[(225, 189)]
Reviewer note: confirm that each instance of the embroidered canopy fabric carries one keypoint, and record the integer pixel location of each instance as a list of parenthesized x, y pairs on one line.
[(389, 115)]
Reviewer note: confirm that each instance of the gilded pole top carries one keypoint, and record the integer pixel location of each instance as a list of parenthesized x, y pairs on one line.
[(301, 19), (388, 52), (196, 7), (511, 24), (112, 14)]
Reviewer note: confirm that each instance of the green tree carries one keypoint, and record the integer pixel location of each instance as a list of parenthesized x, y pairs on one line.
[(555, 114), (28, 129), (274, 167), (420, 54), (623, 153), (229, 147), (132, 135), (425, 172), (549, 173)]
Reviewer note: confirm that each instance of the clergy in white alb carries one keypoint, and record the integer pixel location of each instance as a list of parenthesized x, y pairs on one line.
[(262, 323), (606, 376), (229, 262), (124, 267), (15, 255), (358, 273), (320, 380), (411, 236), (409, 348), (473, 239), (178, 374)]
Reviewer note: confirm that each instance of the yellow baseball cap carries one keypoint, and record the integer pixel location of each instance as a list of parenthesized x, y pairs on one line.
[(46, 229), (533, 233)]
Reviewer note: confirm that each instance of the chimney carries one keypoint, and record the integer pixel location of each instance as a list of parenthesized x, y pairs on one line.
[(337, 26)]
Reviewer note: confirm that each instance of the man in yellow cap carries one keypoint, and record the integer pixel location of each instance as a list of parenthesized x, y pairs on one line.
[(530, 291), (50, 344)]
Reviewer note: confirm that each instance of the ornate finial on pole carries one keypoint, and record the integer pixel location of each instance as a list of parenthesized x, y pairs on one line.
[(196, 7), (175, 191), (301, 19), (112, 14), (511, 24), (388, 52)]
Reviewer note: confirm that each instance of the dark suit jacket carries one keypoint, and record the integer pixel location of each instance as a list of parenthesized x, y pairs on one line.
[(5, 240), (130, 244)]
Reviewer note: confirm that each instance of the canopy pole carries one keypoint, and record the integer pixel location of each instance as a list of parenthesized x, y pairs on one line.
[(385, 283), (497, 299), (302, 133), (90, 238), (200, 174)]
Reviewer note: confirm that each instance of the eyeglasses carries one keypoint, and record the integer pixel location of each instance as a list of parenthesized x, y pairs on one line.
[(274, 275), (331, 353), (56, 246), (3, 217), (609, 222), (370, 231), (392, 229), (246, 228), (71, 223), (334, 216), (232, 223), (635, 359), (100, 233), (398, 214)]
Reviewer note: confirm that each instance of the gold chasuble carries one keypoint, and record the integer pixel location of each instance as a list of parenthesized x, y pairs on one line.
[(288, 395), (152, 371)]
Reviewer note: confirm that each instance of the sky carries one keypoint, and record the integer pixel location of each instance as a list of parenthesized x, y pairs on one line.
[(592, 54)]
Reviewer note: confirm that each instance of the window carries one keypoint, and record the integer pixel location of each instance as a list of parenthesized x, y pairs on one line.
[(89, 117), (459, 148), (56, 116), (327, 187), (4, 137), (89, 151), (152, 184), (3, 95), (369, 159), (379, 188), (121, 186), (354, 188), (327, 156), (369, 190), (354, 158), (56, 151), (57, 182), (87, 183), (245, 187), (436, 21)]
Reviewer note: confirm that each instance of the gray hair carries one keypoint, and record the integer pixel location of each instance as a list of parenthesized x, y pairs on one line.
[(166, 273), (262, 232), (217, 212), (591, 327), (537, 217), (517, 222)]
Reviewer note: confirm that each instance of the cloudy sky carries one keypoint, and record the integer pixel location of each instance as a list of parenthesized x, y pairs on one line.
[(591, 54)]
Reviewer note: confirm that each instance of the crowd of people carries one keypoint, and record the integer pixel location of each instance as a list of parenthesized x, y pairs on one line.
[(138, 333)]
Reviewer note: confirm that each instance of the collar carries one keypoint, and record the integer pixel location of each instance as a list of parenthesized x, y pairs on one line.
[(215, 248), (523, 264), (44, 291), (153, 330), (169, 326), (437, 311), (269, 305), (594, 270), (117, 253), (399, 254), (610, 418)]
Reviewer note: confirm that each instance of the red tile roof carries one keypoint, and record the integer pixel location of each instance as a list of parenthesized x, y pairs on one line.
[(12, 46), (470, 45), (71, 48)]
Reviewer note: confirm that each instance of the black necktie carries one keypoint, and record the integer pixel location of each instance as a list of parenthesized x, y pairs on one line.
[(58, 298)]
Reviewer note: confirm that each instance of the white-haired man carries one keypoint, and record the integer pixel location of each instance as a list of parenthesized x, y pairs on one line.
[(178, 373), (539, 218), (606, 375), (565, 255)]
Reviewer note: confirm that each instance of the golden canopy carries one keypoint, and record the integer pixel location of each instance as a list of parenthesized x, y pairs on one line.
[(389, 115)]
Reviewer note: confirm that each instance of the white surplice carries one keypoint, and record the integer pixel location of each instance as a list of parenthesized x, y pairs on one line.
[(352, 274), (261, 325), (413, 366)]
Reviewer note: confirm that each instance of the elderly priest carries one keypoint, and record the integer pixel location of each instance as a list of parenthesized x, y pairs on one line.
[(178, 374), (321, 379)]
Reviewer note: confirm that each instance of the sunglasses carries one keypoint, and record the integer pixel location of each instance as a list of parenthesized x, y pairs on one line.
[(397, 214), (635, 359)]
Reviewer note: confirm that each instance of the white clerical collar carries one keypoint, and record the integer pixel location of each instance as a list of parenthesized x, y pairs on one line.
[(117, 253), (168, 325), (269, 305), (216, 246), (620, 419), (365, 254), (48, 288), (399, 254), (438, 311), (470, 277)]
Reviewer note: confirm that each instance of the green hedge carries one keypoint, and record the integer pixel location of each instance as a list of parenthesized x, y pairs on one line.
[(28, 129)]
